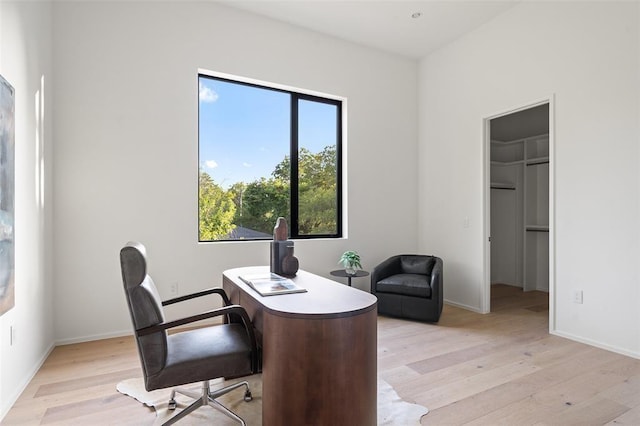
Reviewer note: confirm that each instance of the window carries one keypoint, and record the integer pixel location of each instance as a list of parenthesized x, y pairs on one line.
[(265, 152)]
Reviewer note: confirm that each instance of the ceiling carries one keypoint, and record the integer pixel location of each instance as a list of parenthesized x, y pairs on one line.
[(383, 24)]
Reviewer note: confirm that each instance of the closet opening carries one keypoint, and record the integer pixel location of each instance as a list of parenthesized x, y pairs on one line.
[(519, 208)]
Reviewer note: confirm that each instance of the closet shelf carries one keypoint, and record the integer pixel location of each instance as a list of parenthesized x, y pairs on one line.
[(536, 161), (506, 163), (502, 185)]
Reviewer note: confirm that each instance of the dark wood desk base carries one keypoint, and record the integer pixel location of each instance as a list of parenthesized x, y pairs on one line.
[(316, 369), (329, 377)]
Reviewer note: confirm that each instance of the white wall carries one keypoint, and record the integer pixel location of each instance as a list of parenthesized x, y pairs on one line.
[(25, 61), (126, 138), (587, 55)]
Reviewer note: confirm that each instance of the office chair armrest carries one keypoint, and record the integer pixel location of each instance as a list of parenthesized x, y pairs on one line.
[(215, 290), (163, 326)]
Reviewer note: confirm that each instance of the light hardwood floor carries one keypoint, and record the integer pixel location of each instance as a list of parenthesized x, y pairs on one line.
[(501, 368)]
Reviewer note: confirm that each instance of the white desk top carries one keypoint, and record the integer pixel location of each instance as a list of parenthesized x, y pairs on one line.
[(323, 298)]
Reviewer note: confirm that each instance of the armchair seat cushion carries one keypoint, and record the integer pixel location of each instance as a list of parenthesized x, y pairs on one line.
[(415, 285)]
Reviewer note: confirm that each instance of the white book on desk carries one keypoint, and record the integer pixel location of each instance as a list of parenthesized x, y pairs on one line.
[(270, 284)]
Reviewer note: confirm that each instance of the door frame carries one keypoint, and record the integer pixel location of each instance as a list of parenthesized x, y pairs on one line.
[(486, 200)]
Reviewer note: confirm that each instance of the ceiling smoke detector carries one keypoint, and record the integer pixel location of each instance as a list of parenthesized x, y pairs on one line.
[(416, 15)]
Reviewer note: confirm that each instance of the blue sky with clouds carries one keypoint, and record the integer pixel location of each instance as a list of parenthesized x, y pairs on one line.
[(244, 130)]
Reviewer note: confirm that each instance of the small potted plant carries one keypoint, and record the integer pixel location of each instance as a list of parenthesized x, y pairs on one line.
[(351, 261)]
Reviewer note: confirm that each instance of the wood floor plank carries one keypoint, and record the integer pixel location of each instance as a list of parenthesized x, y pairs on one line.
[(507, 395), (595, 411), (67, 412), (450, 392), (85, 382), (584, 386), (630, 418), (478, 351), (625, 393)]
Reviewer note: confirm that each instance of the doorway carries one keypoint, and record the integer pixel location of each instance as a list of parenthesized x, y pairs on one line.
[(518, 200)]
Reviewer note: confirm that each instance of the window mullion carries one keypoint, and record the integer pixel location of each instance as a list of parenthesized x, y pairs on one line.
[(293, 180), (339, 169)]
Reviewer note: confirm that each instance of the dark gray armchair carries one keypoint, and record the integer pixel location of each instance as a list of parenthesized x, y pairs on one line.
[(409, 286), (197, 355)]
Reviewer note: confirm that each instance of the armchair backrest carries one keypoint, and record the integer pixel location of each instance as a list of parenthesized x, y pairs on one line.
[(417, 264), (145, 307)]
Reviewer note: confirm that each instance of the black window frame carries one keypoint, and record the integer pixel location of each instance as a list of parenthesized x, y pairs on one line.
[(296, 97)]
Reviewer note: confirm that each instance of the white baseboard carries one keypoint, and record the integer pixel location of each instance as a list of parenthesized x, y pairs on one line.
[(463, 306), (8, 403), (596, 344), (93, 337), (129, 332)]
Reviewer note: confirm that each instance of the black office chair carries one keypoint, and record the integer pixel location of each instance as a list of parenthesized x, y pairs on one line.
[(201, 354)]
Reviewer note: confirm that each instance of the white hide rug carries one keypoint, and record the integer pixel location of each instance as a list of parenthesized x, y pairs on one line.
[(392, 410)]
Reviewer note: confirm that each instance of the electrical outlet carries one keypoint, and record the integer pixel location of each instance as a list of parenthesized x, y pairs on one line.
[(577, 296), (174, 289)]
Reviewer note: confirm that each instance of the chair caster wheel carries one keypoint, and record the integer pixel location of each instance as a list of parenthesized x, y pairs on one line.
[(247, 396), (172, 404)]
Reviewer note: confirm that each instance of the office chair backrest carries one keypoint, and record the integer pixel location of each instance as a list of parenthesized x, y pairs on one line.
[(145, 307)]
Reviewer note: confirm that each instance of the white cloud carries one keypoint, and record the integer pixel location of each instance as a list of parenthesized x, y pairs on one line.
[(206, 94), (211, 164), (246, 165)]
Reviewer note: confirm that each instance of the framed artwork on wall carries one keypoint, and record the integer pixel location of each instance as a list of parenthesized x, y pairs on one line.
[(7, 195)]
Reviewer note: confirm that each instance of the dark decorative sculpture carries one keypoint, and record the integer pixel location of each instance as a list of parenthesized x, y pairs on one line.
[(283, 262), (290, 263), (281, 230)]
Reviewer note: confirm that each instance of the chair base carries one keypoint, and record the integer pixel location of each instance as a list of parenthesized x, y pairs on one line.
[(207, 397)]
